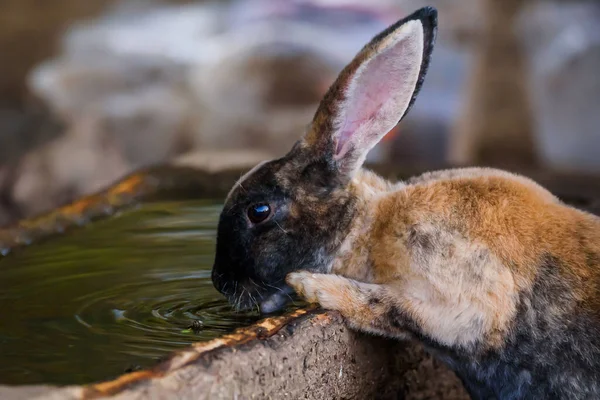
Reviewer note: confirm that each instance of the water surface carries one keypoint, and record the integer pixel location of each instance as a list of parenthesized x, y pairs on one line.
[(114, 296)]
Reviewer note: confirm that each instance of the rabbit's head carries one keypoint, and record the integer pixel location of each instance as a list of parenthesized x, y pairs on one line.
[(293, 213)]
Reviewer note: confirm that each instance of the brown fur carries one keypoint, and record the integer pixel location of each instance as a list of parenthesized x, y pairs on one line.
[(504, 219), (488, 269)]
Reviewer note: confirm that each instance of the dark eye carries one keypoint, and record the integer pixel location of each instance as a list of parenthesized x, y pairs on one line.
[(258, 213)]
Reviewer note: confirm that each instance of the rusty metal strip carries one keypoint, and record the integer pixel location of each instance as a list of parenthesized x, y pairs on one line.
[(259, 331), (88, 208)]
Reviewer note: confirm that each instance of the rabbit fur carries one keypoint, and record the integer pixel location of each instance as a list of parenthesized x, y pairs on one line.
[(491, 272)]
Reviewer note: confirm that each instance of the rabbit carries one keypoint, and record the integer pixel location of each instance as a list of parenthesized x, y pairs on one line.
[(487, 269)]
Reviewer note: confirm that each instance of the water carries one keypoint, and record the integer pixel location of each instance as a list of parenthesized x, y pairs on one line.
[(114, 296)]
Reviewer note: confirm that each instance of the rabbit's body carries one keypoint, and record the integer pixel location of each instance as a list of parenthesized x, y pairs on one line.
[(487, 269)]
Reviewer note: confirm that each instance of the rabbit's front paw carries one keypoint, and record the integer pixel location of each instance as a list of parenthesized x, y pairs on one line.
[(304, 284), (327, 290), (367, 307)]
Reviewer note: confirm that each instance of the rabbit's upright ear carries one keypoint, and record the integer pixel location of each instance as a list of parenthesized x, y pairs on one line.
[(373, 93)]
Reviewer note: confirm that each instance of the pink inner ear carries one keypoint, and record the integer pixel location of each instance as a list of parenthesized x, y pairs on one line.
[(378, 96)]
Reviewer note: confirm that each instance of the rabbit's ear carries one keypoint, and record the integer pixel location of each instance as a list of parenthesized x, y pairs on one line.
[(374, 92)]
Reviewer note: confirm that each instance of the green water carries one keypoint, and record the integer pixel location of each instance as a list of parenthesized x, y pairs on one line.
[(114, 296)]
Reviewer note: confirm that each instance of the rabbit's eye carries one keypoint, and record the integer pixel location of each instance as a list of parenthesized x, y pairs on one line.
[(258, 213)]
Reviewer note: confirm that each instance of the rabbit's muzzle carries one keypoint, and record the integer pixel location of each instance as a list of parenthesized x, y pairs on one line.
[(251, 294)]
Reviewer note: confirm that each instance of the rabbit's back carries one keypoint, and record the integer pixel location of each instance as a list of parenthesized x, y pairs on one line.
[(517, 219)]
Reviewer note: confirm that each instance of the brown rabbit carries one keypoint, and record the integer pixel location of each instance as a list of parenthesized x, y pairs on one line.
[(490, 271)]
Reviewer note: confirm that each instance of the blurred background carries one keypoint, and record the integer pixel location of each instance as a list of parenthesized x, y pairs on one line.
[(91, 90)]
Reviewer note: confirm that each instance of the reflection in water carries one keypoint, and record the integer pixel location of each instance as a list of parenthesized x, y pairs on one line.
[(117, 295)]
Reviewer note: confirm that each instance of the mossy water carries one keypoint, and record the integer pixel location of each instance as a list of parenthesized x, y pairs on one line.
[(117, 295)]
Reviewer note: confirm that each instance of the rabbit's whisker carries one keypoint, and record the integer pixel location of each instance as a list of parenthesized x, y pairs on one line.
[(283, 230)]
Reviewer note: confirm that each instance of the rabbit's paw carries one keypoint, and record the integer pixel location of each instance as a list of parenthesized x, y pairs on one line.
[(327, 290)]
